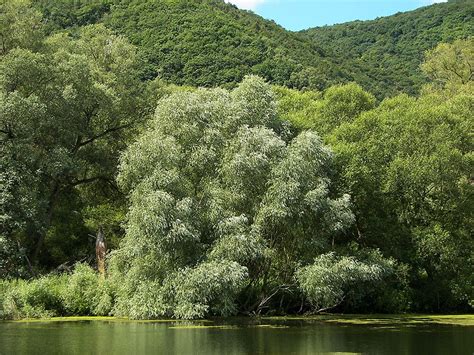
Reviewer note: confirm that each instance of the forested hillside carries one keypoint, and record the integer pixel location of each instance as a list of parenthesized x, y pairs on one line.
[(384, 55), (211, 43), (203, 42)]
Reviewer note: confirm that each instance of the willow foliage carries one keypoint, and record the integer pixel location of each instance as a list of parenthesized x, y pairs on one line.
[(222, 196)]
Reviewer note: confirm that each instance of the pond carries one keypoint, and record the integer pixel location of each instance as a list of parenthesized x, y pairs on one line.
[(268, 336)]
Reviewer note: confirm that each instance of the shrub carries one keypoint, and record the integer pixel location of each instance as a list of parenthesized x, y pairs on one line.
[(4, 285), (81, 293), (86, 293), (34, 299)]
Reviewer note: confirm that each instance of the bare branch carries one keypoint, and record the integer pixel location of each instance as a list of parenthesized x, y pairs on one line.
[(101, 135), (89, 180)]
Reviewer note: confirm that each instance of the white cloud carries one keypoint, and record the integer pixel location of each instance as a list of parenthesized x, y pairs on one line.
[(246, 4), (437, 1)]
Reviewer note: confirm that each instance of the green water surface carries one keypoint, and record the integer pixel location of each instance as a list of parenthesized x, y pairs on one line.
[(268, 336)]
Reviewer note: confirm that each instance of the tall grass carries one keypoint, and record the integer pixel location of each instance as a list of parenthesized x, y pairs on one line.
[(82, 292)]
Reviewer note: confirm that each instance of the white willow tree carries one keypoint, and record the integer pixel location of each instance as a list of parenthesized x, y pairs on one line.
[(224, 202)]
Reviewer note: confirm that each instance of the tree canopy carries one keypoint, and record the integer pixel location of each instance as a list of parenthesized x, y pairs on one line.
[(249, 198), (63, 113)]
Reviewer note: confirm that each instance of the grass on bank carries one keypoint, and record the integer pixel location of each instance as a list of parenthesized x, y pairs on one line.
[(353, 319), (386, 319)]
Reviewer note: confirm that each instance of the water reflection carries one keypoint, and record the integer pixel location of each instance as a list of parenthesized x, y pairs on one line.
[(234, 337)]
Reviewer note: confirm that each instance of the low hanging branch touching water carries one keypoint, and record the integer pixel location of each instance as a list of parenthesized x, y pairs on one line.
[(262, 305)]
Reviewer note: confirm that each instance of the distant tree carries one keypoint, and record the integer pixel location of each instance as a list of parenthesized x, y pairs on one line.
[(20, 25), (324, 112), (451, 63)]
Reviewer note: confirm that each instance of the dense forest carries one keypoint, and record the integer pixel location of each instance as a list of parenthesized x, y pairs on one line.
[(210, 43), (384, 55), (234, 167)]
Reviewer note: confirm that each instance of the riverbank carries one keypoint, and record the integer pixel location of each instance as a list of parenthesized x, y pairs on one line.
[(350, 319)]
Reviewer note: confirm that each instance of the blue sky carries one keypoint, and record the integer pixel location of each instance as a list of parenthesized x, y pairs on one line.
[(301, 14)]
